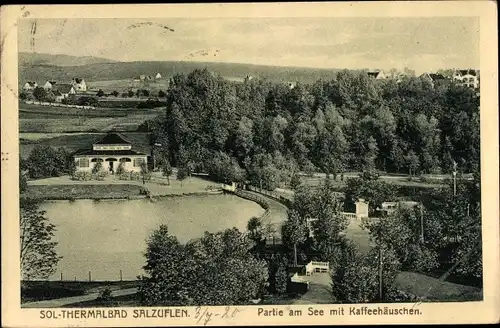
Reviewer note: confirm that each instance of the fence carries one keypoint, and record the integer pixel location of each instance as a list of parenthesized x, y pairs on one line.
[(56, 104), (119, 277), (272, 194)]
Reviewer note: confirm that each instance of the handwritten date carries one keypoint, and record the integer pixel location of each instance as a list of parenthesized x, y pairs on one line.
[(204, 315)]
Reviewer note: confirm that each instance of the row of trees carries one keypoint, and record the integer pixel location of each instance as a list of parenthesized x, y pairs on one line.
[(348, 123)]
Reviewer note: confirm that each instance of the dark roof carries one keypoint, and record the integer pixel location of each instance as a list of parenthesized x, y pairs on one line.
[(91, 152), (374, 74), (78, 80), (437, 76), (64, 88), (113, 139), (31, 83)]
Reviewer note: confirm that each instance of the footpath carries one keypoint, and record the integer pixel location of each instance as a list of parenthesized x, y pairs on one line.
[(75, 299)]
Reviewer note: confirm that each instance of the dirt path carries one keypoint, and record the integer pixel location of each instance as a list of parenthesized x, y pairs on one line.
[(75, 299)]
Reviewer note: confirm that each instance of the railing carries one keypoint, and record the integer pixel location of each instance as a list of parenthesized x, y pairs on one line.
[(271, 194), (349, 215), (320, 264)]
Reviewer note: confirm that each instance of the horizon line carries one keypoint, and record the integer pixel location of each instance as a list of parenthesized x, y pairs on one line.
[(114, 61)]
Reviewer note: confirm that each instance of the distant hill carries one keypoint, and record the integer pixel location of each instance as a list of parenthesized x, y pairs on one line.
[(104, 71), (30, 58)]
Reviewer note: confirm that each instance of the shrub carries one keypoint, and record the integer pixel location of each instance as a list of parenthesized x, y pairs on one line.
[(81, 176), (105, 298), (97, 167), (100, 175), (120, 169)]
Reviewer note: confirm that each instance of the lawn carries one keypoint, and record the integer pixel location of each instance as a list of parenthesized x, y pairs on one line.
[(81, 191)]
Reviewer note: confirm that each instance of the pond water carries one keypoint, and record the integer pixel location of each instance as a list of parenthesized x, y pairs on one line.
[(108, 236)]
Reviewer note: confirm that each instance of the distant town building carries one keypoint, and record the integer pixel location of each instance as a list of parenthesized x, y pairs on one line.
[(292, 85), (49, 84), (63, 91), (378, 75), (158, 76), (434, 78), (112, 150), (30, 85), (468, 78), (79, 84)]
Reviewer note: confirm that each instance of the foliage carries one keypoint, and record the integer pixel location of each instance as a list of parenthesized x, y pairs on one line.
[(356, 277), (23, 182), (120, 169), (97, 167), (105, 299), (162, 94), (39, 93), (38, 250), (223, 168), (217, 269), (371, 189), (82, 176), (100, 93), (348, 122), (45, 161), (115, 93), (256, 233)]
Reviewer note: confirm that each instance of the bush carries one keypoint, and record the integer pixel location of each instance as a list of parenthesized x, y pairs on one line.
[(82, 176), (105, 298), (100, 175)]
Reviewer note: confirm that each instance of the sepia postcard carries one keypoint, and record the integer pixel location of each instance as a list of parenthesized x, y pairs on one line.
[(245, 164)]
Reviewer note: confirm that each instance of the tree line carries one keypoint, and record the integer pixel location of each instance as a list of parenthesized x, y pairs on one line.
[(350, 122)]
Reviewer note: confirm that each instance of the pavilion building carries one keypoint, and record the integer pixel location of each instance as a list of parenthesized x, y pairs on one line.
[(112, 150)]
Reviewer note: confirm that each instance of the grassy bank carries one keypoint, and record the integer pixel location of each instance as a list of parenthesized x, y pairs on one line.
[(72, 192), (32, 291)]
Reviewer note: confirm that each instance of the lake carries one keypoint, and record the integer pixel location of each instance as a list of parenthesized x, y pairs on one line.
[(108, 236)]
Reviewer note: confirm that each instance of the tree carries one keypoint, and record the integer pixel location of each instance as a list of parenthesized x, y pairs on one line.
[(281, 276), (181, 174), (115, 93), (404, 228), (162, 94), (23, 181), (217, 269), (39, 93), (166, 169), (42, 162), (294, 232), (356, 277), (256, 233), (120, 169), (39, 258), (145, 175), (370, 188), (130, 93), (295, 181), (97, 167), (100, 93), (165, 283)]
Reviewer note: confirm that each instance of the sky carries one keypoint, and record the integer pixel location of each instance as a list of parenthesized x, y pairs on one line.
[(421, 44)]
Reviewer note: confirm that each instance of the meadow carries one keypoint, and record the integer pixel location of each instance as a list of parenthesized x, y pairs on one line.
[(47, 119)]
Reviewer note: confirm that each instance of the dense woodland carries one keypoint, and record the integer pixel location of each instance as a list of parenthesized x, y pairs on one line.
[(349, 123)]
